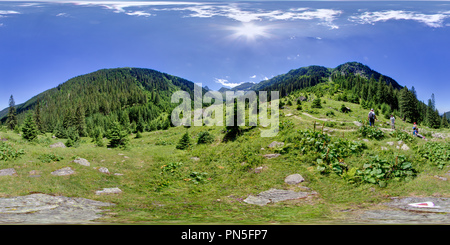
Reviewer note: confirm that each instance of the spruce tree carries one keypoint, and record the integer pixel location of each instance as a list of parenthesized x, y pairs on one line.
[(185, 142), (11, 122), (80, 122), (37, 117), (118, 137), (29, 128), (444, 121)]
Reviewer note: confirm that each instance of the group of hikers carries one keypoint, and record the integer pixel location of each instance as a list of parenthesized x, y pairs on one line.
[(372, 117)]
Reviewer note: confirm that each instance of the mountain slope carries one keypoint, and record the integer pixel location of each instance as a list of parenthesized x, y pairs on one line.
[(107, 93), (309, 76), (363, 71)]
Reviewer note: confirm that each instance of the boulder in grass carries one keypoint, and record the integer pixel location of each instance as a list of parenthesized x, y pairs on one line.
[(294, 179), (276, 144), (82, 161), (63, 171), (109, 191), (58, 145)]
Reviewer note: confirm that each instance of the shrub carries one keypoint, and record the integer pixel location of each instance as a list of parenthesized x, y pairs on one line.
[(371, 132), (73, 137), (378, 171), (205, 137), (29, 128), (7, 152), (436, 153), (51, 157), (118, 137), (316, 103), (185, 142), (329, 113)]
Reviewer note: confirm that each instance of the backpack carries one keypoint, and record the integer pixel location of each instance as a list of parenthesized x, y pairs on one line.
[(371, 115)]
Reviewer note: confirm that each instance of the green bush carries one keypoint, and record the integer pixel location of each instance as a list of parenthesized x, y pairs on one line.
[(117, 136), (329, 113), (29, 128), (7, 152), (205, 137), (51, 157), (185, 142), (316, 103), (379, 171), (371, 132), (437, 154)]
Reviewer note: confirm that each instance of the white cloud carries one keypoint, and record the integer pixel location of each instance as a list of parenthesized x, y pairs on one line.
[(119, 6), (431, 20), (5, 12), (225, 83), (232, 11), (254, 76), (62, 15), (139, 13)]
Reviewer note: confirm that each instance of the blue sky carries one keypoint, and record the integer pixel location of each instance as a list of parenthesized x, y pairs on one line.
[(222, 43)]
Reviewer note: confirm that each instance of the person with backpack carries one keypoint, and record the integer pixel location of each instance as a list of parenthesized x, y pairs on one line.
[(392, 122), (372, 118)]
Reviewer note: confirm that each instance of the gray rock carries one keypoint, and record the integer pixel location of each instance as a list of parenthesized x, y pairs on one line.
[(34, 173), (400, 142), (63, 171), (109, 191), (195, 158), (294, 179), (8, 171), (275, 144), (269, 156), (47, 209), (440, 178), (82, 161), (58, 144), (274, 195), (405, 147), (383, 148), (102, 170), (406, 214), (357, 123), (390, 143), (365, 140)]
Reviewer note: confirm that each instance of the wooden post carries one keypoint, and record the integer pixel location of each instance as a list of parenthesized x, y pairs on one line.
[(314, 126)]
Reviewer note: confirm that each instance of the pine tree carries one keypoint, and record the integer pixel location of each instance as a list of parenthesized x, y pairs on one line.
[(37, 117), (316, 103), (408, 105), (29, 128), (140, 126), (444, 121), (185, 142), (11, 122), (118, 137), (80, 122)]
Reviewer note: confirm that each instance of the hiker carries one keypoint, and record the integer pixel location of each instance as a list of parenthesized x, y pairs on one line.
[(392, 122), (416, 131), (372, 117)]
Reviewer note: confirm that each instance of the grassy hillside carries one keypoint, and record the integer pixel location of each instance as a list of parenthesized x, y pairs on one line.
[(207, 183)]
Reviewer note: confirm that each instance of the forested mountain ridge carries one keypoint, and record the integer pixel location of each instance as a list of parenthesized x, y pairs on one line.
[(105, 95), (365, 72), (311, 75)]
